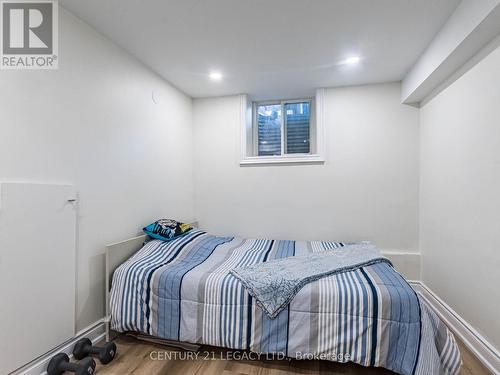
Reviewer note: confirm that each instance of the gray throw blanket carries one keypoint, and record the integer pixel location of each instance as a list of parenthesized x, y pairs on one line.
[(275, 283)]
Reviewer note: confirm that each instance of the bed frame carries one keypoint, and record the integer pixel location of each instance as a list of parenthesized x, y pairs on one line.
[(117, 254)]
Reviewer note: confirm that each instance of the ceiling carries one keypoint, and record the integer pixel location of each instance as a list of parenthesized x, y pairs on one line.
[(269, 48)]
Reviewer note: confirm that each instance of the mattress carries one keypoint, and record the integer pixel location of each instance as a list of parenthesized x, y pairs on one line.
[(183, 290)]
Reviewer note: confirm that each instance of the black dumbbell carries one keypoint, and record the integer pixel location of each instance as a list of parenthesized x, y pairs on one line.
[(60, 363), (83, 348)]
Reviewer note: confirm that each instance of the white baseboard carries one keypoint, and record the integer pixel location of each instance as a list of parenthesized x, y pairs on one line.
[(94, 332), (472, 339)]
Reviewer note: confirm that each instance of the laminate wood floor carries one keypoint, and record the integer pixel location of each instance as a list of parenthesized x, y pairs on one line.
[(135, 357)]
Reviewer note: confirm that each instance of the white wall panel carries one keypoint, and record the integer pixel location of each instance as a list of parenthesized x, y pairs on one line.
[(37, 270)]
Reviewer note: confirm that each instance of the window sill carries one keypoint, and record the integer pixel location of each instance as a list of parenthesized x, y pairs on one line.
[(286, 159)]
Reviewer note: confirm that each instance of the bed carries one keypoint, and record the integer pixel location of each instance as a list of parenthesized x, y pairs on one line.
[(183, 291)]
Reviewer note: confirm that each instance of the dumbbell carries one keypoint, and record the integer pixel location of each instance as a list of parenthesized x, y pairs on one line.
[(83, 348), (60, 363)]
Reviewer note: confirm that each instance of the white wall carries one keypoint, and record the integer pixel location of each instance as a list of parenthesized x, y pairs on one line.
[(92, 123), (367, 190), (460, 196)]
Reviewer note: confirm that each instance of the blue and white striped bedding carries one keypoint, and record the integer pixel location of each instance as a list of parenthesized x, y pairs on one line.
[(183, 290)]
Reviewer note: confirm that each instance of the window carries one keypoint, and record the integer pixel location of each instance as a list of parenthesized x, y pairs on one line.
[(268, 125), (297, 127), (280, 131), (283, 127)]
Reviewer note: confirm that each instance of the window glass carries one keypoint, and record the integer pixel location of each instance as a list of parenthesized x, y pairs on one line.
[(269, 129), (297, 128)]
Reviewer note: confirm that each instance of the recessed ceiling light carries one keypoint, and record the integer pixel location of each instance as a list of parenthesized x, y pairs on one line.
[(215, 76), (353, 60)]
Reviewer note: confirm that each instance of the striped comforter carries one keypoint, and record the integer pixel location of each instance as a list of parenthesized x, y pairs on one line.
[(183, 290)]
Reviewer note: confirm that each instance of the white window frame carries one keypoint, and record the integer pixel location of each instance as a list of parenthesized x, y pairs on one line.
[(249, 133)]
